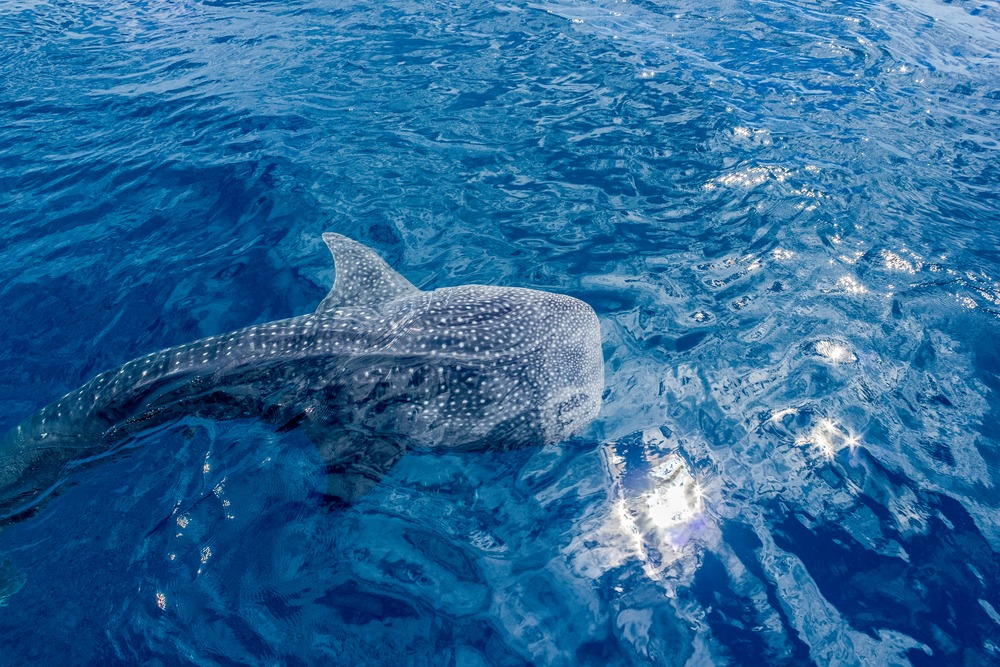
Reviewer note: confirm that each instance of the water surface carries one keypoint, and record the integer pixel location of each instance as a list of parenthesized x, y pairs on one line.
[(783, 212)]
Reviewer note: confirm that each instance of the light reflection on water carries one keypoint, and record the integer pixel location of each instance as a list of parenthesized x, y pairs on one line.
[(659, 505), (783, 212), (827, 438)]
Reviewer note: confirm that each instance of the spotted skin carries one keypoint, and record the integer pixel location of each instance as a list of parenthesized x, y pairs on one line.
[(379, 367)]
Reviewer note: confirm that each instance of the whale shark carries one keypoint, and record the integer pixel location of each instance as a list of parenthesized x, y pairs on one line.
[(380, 367)]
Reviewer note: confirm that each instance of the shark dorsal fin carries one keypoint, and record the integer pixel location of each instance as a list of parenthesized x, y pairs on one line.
[(362, 277)]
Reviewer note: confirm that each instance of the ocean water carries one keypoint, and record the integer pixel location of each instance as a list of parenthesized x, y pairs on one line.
[(785, 213)]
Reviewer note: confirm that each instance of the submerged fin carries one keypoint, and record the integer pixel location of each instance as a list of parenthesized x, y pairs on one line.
[(11, 581), (363, 278), (355, 462)]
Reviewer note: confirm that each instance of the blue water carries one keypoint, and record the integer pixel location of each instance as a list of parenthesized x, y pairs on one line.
[(785, 214)]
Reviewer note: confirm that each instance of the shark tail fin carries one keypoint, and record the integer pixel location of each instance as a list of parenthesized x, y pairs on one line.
[(32, 471), (11, 581)]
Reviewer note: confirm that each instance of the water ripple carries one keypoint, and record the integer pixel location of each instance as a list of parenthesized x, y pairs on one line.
[(784, 214)]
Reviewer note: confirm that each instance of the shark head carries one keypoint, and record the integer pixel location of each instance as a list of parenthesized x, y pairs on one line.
[(474, 366)]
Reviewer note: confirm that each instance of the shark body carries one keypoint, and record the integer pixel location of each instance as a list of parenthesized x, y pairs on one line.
[(380, 366)]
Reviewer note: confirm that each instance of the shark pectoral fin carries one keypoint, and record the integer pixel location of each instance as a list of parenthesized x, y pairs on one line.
[(362, 277), (354, 462)]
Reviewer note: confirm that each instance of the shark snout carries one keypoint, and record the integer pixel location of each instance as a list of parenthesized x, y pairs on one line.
[(569, 413), (576, 372)]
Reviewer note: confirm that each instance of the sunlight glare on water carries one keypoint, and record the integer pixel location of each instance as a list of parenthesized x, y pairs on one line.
[(784, 214)]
